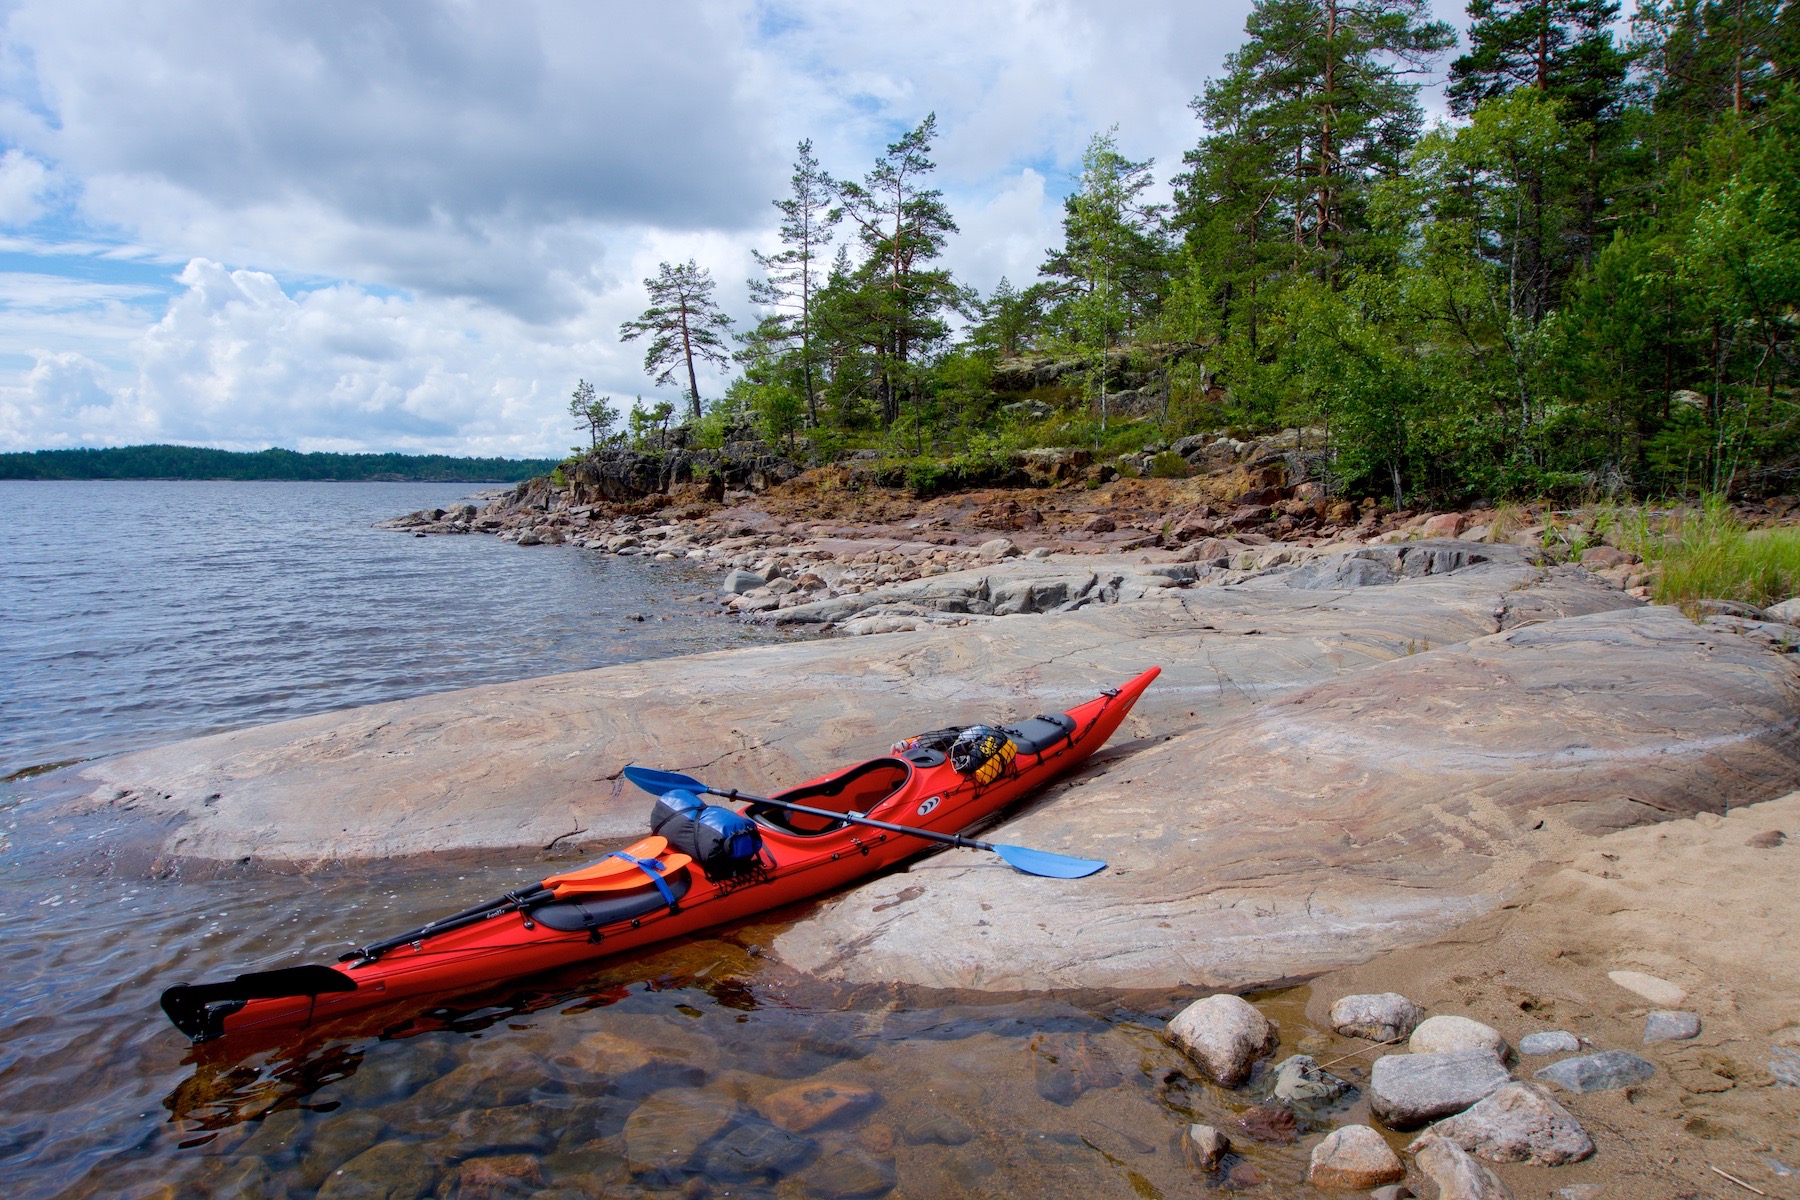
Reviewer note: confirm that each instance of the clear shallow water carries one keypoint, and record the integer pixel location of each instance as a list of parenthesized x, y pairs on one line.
[(134, 613), (131, 614)]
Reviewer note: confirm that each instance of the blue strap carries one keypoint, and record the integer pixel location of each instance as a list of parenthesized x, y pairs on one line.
[(651, 867)]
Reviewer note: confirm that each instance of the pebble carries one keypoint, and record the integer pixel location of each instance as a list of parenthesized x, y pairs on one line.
[(1665, 1026), (1204, 1146), (1224, 1034), (1458, 1177), (1354, 1158), (1518, 1123), (1554, 1041), (1602, 1072), (1380, 1016), (1656, 991), (1440, 1035), (1300, 1080), (1408, 1090)]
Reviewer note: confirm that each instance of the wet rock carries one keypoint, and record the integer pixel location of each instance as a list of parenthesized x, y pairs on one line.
[(740, 581), (1243, 1174), (1518, 1123), (1269, 1123), (1458, 1177), (664, 1132), (1300, 1080), (1204, 1147), (1602, 1072), (934, 1126), (498, 1177), (1380, 1017), (808, 1106), (1659, 992), (608, 1054), (520, 1128), (1439, 1035), (1066, 1065), (756, 1150), (1552, 1041), (387, 1171), (1354, 1159), (1408, 1090), (1666, 1026), (1224, 1034), (849, 1175), (496, 1084), (336, 1140)]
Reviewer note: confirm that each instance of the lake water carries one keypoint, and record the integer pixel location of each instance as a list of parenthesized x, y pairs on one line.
[(134, 613)]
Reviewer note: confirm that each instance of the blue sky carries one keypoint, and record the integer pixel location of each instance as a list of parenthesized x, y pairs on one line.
[(413, 226)]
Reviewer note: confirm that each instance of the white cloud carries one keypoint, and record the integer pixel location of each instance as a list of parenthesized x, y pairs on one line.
[(23, 182)]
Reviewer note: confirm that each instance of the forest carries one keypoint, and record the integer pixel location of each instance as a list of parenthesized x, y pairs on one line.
[(199, 462), (1585, 282)]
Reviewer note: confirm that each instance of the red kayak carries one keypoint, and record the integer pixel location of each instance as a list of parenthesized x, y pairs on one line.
[(654, 892)]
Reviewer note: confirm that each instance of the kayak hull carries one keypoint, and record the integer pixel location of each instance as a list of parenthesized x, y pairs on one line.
[(917, 788)]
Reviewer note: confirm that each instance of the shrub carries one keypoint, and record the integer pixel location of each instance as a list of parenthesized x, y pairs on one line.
[(1168, 465)]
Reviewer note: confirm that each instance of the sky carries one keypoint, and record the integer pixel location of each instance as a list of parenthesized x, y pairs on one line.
[(332, 225)]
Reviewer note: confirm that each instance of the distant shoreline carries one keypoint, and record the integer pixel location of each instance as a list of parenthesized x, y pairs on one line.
[(165, 463)]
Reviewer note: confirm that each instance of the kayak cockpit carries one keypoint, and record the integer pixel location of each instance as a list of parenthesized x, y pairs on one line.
[(858, 789)]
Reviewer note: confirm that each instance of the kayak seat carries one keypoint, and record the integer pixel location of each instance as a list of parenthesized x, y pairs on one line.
[(857, 790), (574, 916), (1042, 732)]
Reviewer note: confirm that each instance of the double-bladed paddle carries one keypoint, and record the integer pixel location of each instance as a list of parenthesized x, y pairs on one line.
[(1019, 858)]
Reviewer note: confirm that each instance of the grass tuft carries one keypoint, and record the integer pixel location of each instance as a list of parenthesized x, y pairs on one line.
[(1709, 555)]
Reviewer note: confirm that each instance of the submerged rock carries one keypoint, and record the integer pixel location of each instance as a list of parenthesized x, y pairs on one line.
[(1407, 1090), (1518, 1123), (1224, 1034), (388, 1171), (1204, 1147), (808, 1106), (1602, 1072), (663, 1134), (1300, 1080), (1380, 1017), (1354, 1158)]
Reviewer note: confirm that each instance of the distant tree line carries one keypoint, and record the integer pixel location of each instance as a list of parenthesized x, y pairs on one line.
[(1589, 279), (197, 462)]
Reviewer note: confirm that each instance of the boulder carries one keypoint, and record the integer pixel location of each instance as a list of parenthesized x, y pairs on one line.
[(1380, 1017), (1408, 1090), (1438, 1035), (1601, 558), (1602, 1072), (1354, 1159), (1787, 611), (1552, 1041), (1224, 1034), (1444, 525), (1098, 523), (1518, 1123), (998, 549), (1458, 1177), (740, 581), (1666, 1026)]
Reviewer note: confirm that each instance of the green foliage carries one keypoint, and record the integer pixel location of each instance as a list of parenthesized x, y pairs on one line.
[(1708, 554), (199, 462), (683, 323)]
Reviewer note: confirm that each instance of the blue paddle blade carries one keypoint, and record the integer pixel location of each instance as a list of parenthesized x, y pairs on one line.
[(1051, 866), (659, 783)]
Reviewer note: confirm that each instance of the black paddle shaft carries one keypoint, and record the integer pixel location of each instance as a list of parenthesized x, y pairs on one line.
[(949, 839), (471, 916)]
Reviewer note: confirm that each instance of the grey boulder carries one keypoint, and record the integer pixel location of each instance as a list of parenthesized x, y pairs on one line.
[(741, 581), (1518, 1123), (1224, 1034), (1380, 1016), (1408, 1090), (1602, 1072)]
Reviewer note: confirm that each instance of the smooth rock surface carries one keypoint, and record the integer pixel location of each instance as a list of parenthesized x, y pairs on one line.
[(1378, 1016), (1666, 1026), (1354, 1158), (1601, 1072), (1458, 1177), (1407, 1090), (664, 1132), (1224, 1034), (1550, 1041), (1312, 788), (1657, 991), (1518, 1123), (1439, 1035)]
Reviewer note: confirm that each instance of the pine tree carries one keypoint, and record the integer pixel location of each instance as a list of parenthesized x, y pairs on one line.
[(1562, 48), (902, 225), (684, 324), (794, 275)]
